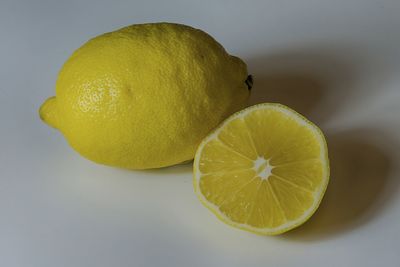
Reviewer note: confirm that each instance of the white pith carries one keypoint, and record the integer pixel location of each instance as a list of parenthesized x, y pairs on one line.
[(263, 168)]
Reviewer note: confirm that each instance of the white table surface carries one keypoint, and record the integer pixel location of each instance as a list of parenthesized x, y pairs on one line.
[(338, 62)]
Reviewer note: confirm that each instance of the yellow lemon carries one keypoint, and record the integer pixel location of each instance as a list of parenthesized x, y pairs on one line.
[(146, 95), (265, 169)]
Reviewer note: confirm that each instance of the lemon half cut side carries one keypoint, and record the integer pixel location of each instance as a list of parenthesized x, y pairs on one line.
[(265, 169)]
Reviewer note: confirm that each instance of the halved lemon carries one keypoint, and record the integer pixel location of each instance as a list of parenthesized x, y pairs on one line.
[(265, 169)]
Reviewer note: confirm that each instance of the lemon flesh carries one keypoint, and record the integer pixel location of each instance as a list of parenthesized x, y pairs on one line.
[(146, 95), (265, 169)]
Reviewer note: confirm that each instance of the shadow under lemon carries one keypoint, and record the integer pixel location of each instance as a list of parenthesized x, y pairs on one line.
[(315, 80), (185, 167), (297, 91)]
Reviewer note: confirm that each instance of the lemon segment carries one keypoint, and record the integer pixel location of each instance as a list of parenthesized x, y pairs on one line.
[(265, 169)]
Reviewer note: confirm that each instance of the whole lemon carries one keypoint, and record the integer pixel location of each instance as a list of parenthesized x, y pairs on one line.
[(145, 96)]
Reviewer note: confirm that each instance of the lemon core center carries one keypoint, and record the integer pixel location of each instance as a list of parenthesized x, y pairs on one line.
[(263, 168)]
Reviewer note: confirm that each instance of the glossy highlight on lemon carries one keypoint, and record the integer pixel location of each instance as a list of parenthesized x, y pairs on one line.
[(265, 169), (146, 95)]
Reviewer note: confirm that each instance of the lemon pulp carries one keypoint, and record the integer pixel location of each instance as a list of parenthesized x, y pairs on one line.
[(265, 169)]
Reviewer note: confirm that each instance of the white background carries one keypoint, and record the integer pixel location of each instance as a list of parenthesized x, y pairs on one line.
[(337, 62)]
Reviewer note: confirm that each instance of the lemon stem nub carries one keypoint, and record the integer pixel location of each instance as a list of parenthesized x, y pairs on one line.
[(249, 82), (47, 112)]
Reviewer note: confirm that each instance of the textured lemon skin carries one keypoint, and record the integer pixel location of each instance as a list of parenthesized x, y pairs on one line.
[(146, 95), (248, 228)]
